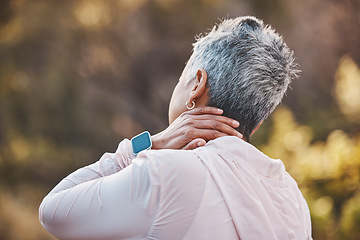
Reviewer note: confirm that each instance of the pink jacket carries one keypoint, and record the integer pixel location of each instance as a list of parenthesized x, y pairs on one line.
[(225, 190)]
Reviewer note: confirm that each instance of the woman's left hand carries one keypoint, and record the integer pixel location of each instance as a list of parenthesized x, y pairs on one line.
[(194, 128)]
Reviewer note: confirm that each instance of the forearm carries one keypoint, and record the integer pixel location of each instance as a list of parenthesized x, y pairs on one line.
[(108, 164)]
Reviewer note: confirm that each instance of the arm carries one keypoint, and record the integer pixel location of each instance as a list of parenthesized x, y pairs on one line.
[(117, 206), (190, 130), (97, 201), (108, 164)]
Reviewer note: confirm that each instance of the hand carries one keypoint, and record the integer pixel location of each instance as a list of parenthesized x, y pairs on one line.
[(194, 128)]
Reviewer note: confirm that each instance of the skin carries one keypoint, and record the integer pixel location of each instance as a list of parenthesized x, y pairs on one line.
[(189, 129)]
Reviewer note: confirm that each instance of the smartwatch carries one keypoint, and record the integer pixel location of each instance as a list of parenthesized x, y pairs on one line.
[(141, 142)]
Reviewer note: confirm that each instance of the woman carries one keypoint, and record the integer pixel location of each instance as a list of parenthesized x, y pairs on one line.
[(201, 180)]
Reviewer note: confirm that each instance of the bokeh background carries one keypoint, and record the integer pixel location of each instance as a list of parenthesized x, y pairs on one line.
[(76, 77)]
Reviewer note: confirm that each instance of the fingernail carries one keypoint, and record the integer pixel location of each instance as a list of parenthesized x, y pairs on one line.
[(199, 144), (235, 123), (219, 110), (240, 135)]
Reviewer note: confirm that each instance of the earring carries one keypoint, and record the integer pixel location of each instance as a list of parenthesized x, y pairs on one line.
[(191, 107)]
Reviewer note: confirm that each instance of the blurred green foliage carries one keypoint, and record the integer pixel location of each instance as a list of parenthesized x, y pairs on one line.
[(76, 77)]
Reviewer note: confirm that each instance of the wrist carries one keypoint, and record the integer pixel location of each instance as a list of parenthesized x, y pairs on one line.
[(157, 143)]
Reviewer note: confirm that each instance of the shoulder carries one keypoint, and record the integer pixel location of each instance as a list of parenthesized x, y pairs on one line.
[(173, 162), (178, 169)]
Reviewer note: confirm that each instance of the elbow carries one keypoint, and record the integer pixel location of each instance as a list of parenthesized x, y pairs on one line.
[(42, 213), (47, 210), (46, 214)]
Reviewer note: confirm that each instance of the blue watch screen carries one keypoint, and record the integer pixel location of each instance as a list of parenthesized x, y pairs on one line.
[(141, 142)]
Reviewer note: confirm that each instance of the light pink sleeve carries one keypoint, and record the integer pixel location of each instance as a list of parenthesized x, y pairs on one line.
[(114, 198)]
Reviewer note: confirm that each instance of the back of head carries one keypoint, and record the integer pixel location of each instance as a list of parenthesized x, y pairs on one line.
[(249, 69)]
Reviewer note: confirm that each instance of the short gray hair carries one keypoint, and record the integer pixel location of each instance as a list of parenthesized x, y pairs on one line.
[(249, 69)]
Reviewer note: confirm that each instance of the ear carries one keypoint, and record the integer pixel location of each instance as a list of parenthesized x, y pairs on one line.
[(199, 90), (257, 127)]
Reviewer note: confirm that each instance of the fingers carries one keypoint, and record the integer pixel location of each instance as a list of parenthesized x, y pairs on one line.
[(203, 113), (222, 125), (205, 110), (211, 134), (199, 142), (207, 123), (217, 119)]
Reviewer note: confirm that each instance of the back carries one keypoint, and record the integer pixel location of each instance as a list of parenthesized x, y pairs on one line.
[(227, 190), (191, 205)]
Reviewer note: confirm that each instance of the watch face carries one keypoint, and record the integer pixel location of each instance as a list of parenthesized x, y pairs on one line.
[(141, 142)]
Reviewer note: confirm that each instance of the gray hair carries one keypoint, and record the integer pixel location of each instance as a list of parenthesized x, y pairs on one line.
[(249, 69)]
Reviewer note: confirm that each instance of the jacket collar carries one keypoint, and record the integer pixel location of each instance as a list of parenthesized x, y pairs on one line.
[(240, 151)]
